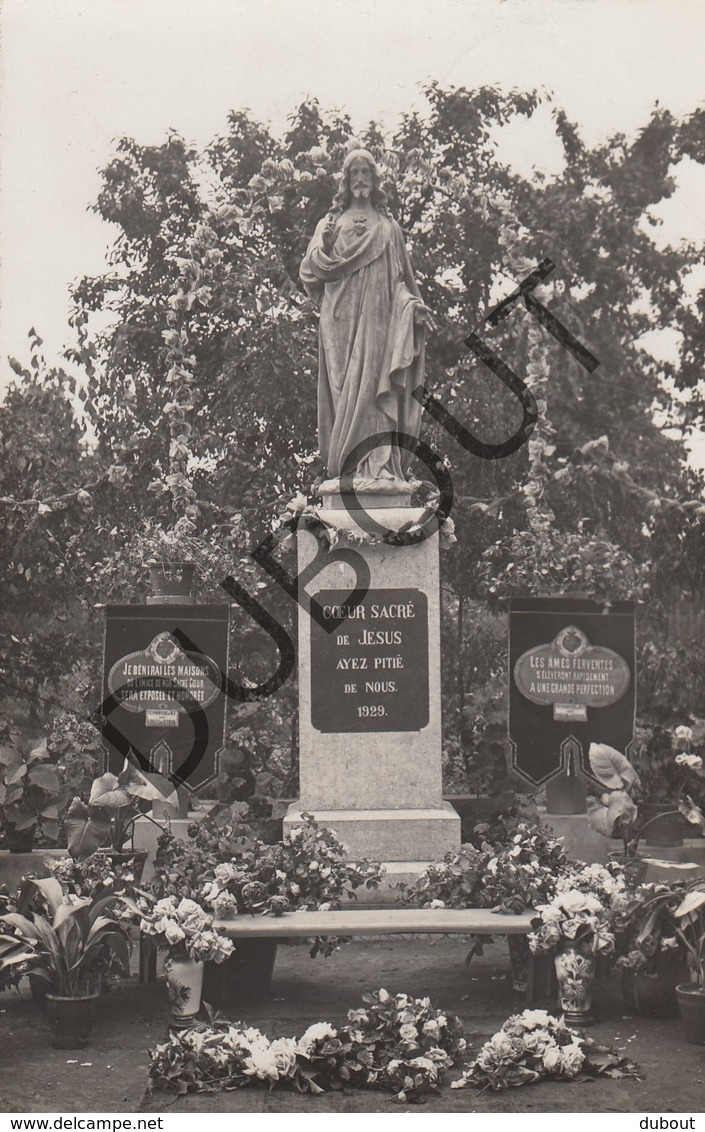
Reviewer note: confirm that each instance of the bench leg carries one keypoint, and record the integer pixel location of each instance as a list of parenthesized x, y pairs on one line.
[(542, 979), (148, 960)]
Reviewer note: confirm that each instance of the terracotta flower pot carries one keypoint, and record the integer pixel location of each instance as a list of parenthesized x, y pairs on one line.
[(691, 1004), (654, 996), (71, 1020), (575, 973), (184, 980), (171, 580)]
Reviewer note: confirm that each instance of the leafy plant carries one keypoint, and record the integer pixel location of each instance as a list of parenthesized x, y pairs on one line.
[(75, 748), (29, 786), (646, 930), (668, 766), (616, 812), (113, 807), (70, 945), (690, 915)]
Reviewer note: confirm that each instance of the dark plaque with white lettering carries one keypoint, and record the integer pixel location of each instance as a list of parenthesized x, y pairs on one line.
[(162, 683), (571, 682), (371, 673)]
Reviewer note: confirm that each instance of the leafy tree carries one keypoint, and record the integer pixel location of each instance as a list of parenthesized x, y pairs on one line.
[(199, 400)]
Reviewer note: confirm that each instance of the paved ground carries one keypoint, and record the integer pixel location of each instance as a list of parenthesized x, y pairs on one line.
[(35, 1077)]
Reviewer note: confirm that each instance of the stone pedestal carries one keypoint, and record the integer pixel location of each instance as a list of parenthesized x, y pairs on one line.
[(370, 699)]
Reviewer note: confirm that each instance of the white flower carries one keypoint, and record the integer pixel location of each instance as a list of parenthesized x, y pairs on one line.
[(262, 1063), (318, 1032), (437, 904), (225, 905), (174, 934), (575, 901), (210, 892), (684, 733), (552, 1060), (572, 1057), (165, 907), (408, 1032), (536, 1018), (693, 761), (225, 872), (284, 1051)]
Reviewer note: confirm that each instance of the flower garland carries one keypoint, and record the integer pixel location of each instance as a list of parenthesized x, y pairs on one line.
[(394, 1042), (299, 509), (534, 1046)]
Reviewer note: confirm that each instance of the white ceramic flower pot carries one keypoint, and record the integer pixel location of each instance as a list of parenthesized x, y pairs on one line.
[(184, 980), (576, 974)]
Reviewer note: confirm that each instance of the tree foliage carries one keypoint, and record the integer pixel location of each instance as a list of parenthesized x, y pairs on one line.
[(198, 404)]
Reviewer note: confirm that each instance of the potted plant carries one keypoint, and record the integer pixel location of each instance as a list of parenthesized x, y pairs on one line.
[(29, 789), (185, 930), (651, 956), (669, 771), (174, 556), (616, 813), (114, 804), (690, 917), (68, 947)]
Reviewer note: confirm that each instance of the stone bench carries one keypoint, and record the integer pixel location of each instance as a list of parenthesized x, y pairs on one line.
[(381, 922)]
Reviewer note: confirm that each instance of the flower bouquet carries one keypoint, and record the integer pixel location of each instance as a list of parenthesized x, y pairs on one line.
[(534, 1046), (575, 927), (185, 930)]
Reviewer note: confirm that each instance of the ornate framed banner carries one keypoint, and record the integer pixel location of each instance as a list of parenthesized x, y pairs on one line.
[(163, 681), (572, 681)]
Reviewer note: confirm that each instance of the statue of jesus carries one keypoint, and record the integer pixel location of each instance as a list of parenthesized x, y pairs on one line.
[(372, 327)]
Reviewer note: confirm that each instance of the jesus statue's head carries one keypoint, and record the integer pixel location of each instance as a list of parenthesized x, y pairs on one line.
[(344, 196)]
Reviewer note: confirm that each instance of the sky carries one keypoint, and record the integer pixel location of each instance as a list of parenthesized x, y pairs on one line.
[(78, 74)]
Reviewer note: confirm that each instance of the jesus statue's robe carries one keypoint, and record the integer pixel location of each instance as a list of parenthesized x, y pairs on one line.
[(371, 355)]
